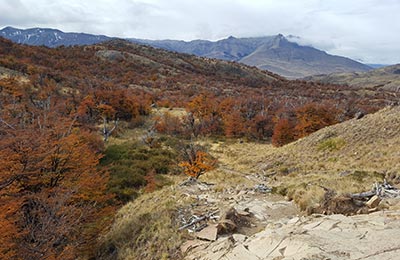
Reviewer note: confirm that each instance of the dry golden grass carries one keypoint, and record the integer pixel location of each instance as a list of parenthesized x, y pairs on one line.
[(241, 157), (146, 228), (346, 158), (177, 112), (8, 73), (369, 144)]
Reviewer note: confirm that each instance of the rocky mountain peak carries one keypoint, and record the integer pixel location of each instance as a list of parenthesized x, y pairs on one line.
[(278, 41)]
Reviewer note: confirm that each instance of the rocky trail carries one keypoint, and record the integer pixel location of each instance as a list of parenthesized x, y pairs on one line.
[(274, 229), (245, 221), (373, 236)]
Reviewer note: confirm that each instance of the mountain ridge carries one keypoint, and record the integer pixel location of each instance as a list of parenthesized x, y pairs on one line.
[(50, 37), (274, 53)]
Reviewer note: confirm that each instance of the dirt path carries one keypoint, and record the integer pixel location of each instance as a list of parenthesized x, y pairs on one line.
[(232, 186), (278, 230)]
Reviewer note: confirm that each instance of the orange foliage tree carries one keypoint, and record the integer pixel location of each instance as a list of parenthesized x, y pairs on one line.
[(283, 132), (312, 117), (168, 124), (50, 187), (205, 109), (261, 126), (150, 181), (196, 161), (234, 125)]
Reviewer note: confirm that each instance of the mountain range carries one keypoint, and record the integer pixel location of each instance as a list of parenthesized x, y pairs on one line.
[(50, 37), (274, 53)]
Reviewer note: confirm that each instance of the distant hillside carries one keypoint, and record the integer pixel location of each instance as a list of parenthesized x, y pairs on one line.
[(377, 66), (387, 78), (50, 37), (273, 53)]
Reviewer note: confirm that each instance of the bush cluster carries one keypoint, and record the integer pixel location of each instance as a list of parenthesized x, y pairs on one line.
[(130, 163)]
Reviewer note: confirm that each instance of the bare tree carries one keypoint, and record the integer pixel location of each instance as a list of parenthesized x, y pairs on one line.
[(106, 131)]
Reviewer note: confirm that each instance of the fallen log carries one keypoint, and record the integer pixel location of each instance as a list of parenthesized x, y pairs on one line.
[(196, 219), (362, 195), (382, 190)]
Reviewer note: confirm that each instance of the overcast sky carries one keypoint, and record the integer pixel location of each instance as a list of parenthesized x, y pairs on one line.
[(365, 30)]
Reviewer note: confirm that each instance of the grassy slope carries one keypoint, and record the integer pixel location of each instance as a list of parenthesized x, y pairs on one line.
[(367, 144), (387, 78), (146, 228), (347, 158)]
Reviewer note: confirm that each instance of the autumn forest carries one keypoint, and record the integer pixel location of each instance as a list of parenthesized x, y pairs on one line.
[(59, 106)]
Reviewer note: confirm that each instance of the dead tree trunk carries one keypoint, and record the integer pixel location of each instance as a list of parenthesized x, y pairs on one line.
[(107, 132)]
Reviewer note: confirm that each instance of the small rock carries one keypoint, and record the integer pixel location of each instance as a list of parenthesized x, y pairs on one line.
[(239, 238), (188, 245), (344, 173), (226, 226), (373, 202), (372, 210), (359, 115), (209, 233), (293, 221), (242, 192), (262, 188), (282, 251), (243, 213)]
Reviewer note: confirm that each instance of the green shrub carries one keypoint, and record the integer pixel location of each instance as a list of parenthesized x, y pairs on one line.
[(331, 144), (129, 163)]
